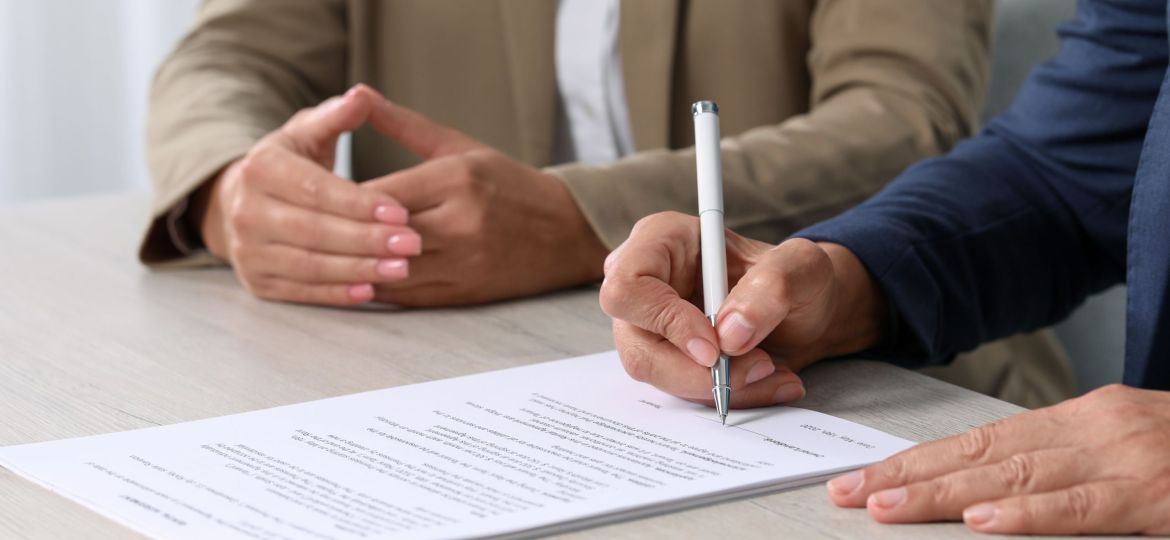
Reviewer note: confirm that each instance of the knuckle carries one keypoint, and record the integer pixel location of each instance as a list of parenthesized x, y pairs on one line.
[(1109, 392), (944, 493), (242, 217), (1018, 473), (638, 363), (661, 221), (895, 472), (613, 295), (670, 322), (238, 253), (255, 164), (1080, 502), (975, 445)]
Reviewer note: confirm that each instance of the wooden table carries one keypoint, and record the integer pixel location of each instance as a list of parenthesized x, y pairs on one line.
[(91, 342)]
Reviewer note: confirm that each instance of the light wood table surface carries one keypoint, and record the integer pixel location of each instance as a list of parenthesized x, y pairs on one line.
[(91, 342)]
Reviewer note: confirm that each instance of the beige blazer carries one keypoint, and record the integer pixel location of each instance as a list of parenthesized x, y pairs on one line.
[(821, 101)]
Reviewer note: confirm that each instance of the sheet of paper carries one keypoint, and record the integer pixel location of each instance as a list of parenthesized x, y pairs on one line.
[(529, 450)]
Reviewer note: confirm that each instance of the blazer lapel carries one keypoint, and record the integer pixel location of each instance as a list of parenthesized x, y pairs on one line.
[(646, 39), (529, 28), (1147, 329)]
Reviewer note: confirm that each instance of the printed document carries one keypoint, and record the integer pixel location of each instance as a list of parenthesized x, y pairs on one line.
[(520, 452)]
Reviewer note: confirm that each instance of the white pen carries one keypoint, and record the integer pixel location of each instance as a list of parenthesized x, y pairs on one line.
[(711, 242)]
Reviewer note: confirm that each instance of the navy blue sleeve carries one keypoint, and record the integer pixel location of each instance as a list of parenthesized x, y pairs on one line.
[(1017, 226)]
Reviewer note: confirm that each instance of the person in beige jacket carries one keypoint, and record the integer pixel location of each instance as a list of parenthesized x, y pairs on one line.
[(462, 199)]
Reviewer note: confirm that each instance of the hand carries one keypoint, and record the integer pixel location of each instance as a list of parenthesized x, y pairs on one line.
[(295, 232), (799, 301), (1098, 464), (493, 227)]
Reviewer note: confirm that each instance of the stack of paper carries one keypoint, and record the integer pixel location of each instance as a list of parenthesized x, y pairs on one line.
[(525, 451)]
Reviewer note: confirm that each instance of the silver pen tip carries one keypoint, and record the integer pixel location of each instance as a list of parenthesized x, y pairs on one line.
[(723, 419)]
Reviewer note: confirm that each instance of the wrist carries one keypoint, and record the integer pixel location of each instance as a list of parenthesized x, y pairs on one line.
[(861, 314), (206, 215), (587, 249)]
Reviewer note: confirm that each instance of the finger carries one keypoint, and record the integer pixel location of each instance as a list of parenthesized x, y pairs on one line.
[(653, 306), (945, 497), (788, 276), (285, 290), (421, 135), (1093, 508), (755, 378), (782, 386), (425, 186), (981, 446), (324, 233), (296, 180), (311, 267), (316, 129), (645, 281), (435, 267)]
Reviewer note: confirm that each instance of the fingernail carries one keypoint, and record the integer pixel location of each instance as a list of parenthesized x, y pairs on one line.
[(393, 268), (979, 515), (734, 332), (788, 392), (846, 483), (760, 371), (889, 498), (702, 352), (394, 215), (405, 244), (365, 291)]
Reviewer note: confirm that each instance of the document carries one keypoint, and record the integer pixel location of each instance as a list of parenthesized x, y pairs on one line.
[(526, 451)]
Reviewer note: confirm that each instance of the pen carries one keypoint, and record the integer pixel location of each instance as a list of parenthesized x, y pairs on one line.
[(711, 241)]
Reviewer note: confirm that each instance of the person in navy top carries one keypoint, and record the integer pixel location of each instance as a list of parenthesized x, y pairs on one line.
[(1065, 194)]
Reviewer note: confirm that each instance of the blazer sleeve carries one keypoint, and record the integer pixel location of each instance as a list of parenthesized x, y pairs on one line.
[(1016, 227), (892, 83), (243, 70)]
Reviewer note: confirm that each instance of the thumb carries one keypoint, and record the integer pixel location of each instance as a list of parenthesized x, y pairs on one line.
[(314, 131), (785, 279), (421, 135)]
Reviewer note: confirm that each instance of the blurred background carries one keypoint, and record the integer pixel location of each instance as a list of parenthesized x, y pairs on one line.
[(77, 76), (73, 100)]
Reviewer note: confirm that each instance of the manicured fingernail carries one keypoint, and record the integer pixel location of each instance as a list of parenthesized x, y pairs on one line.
[(404, 244), (760, 371), (394, 215), (365, 291), (846, 483), (889, 498), (788, 392), (702, 352), (734, 332), (979, 515), (393, 268)]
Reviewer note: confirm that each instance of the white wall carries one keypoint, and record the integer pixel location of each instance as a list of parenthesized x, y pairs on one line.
[(74, 77)]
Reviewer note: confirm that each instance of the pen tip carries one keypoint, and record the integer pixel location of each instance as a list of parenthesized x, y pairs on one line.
[(723, 419)]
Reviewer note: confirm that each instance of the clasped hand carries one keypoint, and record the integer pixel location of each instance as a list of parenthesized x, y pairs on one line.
[(468, 225)]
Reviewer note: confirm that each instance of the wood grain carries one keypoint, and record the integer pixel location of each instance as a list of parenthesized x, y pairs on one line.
[(91, 342)]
